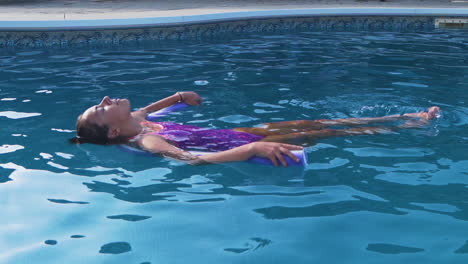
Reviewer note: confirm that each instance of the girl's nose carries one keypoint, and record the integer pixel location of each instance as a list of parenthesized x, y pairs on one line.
[(105, 101)]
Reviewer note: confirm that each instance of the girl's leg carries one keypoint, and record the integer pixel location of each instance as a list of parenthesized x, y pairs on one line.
[(321, 123), (287, 127), (311, 136)]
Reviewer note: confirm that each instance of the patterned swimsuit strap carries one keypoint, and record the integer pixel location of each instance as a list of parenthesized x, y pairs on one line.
[(147, 127)]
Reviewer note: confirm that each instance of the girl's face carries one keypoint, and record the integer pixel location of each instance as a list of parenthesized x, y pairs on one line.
[(110, 112)]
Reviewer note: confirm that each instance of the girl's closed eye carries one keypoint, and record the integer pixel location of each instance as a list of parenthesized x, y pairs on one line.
[(99, 109)]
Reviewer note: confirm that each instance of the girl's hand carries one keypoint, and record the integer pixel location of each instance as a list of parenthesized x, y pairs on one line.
[(274, 151), (190, 98)]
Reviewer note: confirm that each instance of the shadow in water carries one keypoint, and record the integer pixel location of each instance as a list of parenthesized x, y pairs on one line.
[(392, 249), (192, 179), (328, 209)]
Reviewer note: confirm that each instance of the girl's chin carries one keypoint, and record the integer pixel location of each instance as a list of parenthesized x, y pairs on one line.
[(126, 102)]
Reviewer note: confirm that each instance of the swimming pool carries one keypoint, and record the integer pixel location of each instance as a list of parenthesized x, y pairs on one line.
[(386, 199)]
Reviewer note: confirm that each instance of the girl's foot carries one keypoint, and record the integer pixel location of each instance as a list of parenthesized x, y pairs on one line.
[(432, 112), (424, 117)]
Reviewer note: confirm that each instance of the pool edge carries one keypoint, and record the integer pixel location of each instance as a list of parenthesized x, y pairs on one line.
[(145, 22)]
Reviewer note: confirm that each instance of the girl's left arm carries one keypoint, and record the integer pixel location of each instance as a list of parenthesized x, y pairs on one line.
[(271, 150), (274, 151)]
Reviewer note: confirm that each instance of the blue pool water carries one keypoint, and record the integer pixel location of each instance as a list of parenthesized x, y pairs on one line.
[(399, 198)]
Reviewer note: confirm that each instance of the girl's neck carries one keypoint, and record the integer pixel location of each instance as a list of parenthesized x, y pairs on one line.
[(131, 128)]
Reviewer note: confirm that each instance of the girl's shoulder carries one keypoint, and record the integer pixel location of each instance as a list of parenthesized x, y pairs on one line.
[(148, 131), (153, 143), (150, 127)]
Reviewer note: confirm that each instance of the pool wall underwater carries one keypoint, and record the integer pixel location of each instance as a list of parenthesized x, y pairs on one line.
[(64, 33)]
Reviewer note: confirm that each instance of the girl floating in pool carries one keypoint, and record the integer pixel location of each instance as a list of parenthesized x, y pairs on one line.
[(112, 122)]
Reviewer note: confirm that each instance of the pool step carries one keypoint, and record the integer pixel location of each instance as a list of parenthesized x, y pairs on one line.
[(451, 23)]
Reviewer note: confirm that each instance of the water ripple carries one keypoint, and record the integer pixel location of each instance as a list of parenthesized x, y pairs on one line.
[(404, 183)]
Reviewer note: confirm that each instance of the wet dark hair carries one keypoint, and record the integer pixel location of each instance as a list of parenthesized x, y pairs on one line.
[(87, 132)]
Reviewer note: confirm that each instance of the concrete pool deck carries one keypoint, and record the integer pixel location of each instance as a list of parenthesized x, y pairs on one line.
[(80, 14), (68, 23)]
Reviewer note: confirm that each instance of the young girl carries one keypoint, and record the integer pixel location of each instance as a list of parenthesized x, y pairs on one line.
[(112, 122)]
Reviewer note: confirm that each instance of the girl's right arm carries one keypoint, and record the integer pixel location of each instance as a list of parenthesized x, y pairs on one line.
[(190, 98), (271, 150)]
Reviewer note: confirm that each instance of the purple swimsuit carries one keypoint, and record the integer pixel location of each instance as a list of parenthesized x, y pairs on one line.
[(189, 137)]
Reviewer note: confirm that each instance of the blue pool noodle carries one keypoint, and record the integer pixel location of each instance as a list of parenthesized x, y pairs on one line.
[(165, 111), (155, 116)]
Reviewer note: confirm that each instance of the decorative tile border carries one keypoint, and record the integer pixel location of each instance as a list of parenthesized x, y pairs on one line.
[(70, 38)]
